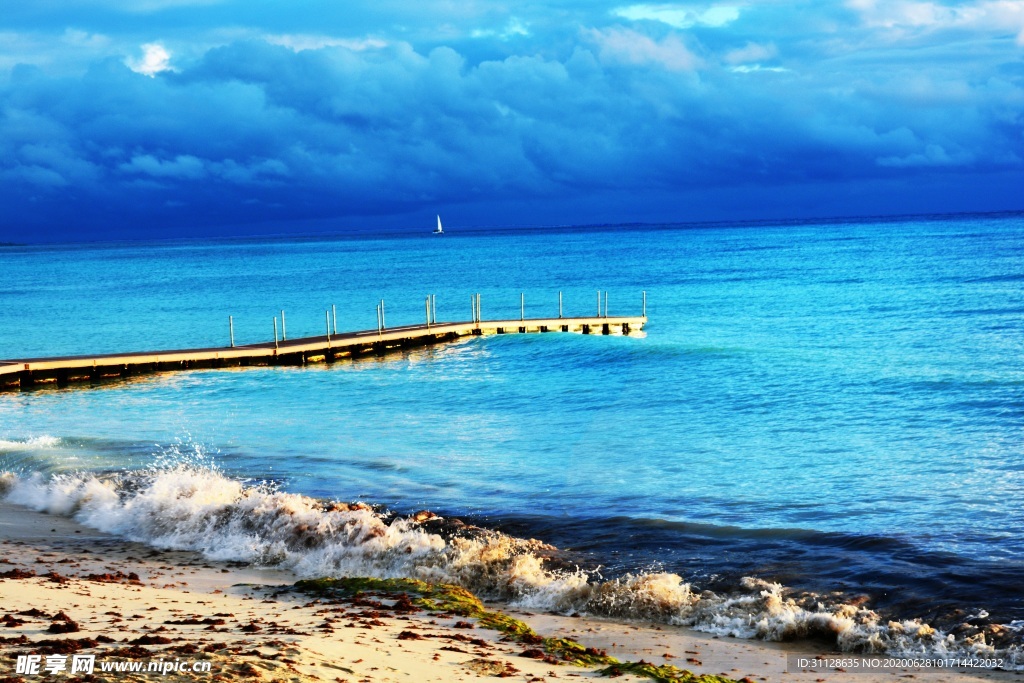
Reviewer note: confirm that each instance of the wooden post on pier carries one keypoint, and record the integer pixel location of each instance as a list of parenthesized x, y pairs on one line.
[(606, 303), (383, 323), (522, 306), (231, 330), (645, 304), (378, 320), (433, 308), (284, 328), (426, 305), (275, 333), (334, 314)]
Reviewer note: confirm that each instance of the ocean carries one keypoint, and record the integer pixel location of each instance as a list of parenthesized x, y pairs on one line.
[(819, 432)]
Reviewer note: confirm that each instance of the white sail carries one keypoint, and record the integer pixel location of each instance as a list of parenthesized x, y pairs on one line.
[(440, 230)]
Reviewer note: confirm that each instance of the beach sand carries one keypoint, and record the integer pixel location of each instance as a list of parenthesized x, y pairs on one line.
[(246, 623)]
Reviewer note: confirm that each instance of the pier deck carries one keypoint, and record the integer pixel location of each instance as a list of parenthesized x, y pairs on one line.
[(64, 370)]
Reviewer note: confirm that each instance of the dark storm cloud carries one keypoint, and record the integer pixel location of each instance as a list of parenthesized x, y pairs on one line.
[(173, 117)]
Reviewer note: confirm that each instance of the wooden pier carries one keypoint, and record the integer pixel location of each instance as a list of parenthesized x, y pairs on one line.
[(85, 370)]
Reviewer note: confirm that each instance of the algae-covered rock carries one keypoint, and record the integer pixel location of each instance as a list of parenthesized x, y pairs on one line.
[(665, 673)]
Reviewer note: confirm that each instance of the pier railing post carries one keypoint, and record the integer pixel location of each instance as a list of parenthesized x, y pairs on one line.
[(645, 304), (426, 305), (433, 308), (275, 333), (334, 315), (284, 328), (378, 320), (231, 330), (606, 303), (479, 313), (383, 323)]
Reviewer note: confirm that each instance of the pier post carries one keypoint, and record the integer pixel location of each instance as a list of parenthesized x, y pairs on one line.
[(645, 304), (378, 320), (426, 304), (334, 314), (383, 323), (479, 314), (231, 330), (284, 328), (327, 320), (433, 308), (559, 304), (275, 333), (606, 303), (522, 305)]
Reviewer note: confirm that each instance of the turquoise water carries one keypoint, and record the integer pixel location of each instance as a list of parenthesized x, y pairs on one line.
[(828, 405)]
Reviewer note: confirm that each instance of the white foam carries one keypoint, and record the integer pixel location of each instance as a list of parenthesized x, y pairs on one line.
[(196, 507), (35, 443)]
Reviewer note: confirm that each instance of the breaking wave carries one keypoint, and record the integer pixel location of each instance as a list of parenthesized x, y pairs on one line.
[(196, 507), (34, 444)]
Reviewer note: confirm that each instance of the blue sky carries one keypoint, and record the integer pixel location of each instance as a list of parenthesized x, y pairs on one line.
[(154, 118)]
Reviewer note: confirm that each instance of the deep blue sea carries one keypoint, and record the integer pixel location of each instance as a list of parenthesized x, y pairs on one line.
[(833, 407)]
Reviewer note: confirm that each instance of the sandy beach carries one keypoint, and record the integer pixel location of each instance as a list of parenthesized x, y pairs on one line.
[(70, 590)]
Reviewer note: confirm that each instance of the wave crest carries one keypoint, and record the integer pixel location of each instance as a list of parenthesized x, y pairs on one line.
[(189, 507)]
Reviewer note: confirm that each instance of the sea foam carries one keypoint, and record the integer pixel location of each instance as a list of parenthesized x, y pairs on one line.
[(198, 508), (33, 444)]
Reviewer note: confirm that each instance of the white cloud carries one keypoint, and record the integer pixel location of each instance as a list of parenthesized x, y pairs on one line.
[(182, 166), (990, 16), (515, 27), (932, 156), (754, 68), (299, 42), (681, 16), (751, 52), (155, 58), (626, 46)]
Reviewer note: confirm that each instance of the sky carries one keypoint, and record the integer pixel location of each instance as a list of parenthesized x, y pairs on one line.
[(164, 118)]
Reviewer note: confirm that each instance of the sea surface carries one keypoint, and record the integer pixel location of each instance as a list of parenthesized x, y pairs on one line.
[(821, 428)]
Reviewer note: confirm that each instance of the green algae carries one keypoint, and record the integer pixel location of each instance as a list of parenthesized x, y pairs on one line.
[(456, 600), (665, 673)]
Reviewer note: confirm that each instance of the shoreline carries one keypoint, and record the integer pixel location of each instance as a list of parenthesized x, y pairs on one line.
[(267, 633)]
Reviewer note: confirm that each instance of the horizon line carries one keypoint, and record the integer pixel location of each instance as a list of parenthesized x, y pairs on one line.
[(483, 229)]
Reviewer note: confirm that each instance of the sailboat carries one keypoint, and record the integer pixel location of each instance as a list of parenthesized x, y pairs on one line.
[(439, 230)]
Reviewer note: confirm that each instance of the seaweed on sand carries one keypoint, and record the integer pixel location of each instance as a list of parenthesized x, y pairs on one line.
[(458, 601)]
